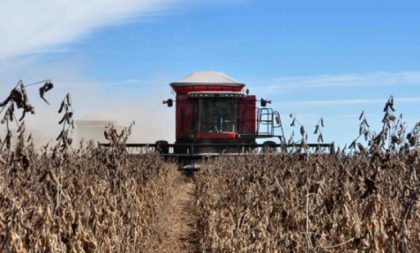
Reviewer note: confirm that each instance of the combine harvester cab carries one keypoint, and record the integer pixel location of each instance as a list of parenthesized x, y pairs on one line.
[(215, 116)]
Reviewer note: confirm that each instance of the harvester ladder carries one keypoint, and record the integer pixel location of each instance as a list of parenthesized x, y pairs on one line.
[(265, 121)]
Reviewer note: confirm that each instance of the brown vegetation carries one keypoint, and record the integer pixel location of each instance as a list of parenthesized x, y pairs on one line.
[(90, 199), (303, 203), (363, 199), (85, 205)]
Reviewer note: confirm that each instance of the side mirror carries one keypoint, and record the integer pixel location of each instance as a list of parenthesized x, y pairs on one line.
[(264, 102), (169, 102)]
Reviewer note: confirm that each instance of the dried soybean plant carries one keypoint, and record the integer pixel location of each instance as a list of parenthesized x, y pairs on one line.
[(116, 155), (363, 201), (15, 101), (64, 138), (320, 138), (302, 144), (64, 199)]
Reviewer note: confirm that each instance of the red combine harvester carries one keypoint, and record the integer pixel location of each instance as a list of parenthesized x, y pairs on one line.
[(214, 116)]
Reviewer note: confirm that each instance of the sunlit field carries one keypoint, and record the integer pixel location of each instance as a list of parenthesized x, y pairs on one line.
[(84, 198)]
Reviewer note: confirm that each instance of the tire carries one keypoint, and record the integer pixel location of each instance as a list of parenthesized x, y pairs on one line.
[(269, 146), (162, 147)]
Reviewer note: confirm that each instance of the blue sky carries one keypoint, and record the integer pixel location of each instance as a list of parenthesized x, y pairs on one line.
[(315, 59)]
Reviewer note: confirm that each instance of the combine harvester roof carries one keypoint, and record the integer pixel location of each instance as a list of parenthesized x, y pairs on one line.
[(207, 78)]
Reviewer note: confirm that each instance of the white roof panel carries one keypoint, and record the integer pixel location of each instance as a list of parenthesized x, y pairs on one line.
[(208, 78)]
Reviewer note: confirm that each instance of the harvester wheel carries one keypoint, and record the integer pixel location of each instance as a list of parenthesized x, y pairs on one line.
[(162, 147), (269, 146)]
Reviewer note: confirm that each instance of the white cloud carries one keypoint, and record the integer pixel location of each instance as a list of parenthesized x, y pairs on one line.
[(342, 80), (41, 26), (30, 30)]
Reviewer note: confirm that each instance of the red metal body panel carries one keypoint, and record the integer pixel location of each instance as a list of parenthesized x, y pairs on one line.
[(184, 115), (216, 136), (183, 90), (186, 128), (247, 115)]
